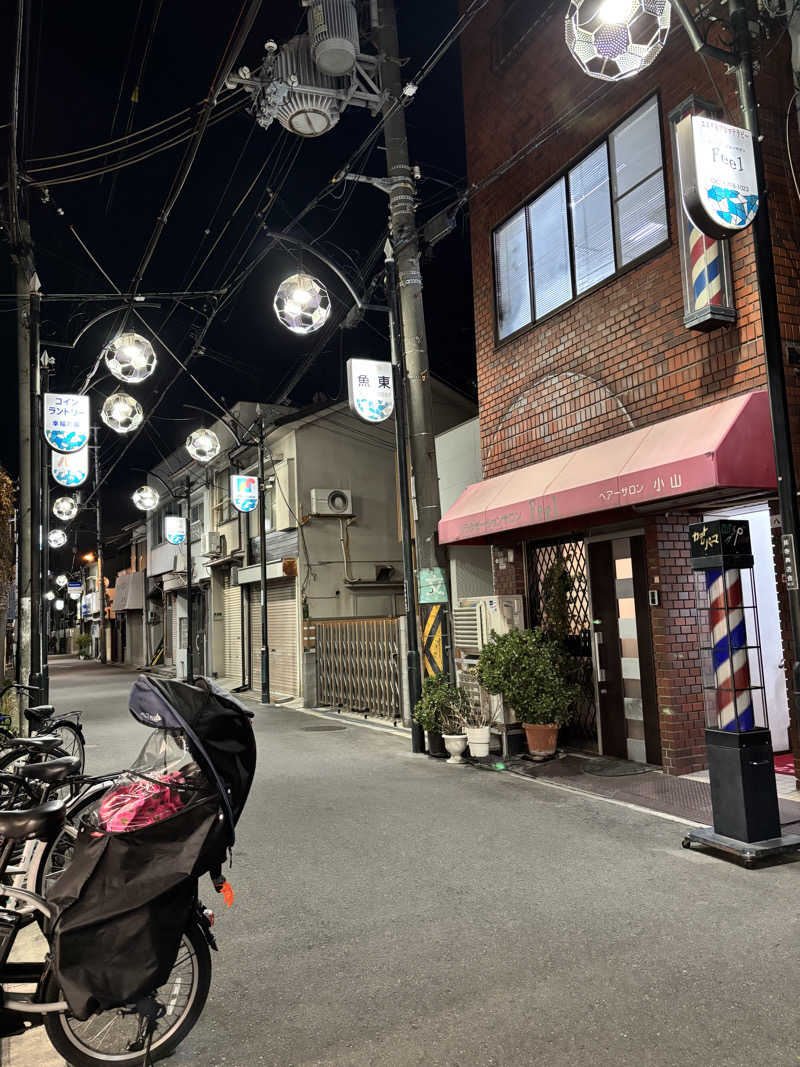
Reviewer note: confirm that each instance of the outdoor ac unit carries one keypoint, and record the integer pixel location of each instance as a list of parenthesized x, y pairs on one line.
[(337, 502), (211, 543), (474, 621)]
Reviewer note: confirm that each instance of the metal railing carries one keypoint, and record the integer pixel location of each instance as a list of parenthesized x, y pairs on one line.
[(357, 664)]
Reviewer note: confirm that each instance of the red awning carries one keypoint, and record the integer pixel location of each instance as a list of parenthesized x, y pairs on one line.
[(724, 446)]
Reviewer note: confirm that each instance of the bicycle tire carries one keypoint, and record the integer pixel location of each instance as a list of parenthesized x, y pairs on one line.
[(48, 849), (71, 738), (77, 1053)]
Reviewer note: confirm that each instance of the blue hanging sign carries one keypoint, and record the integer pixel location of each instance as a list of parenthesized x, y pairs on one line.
[(175, 529), (66, 421), (70, 468), (244, 492), (371, 389)]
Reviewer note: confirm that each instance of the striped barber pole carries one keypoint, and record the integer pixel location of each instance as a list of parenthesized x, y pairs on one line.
[(704, 259), (729, 650)]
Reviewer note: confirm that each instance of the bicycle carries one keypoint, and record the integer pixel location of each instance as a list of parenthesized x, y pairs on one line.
[(133, 1034), (43, 721)]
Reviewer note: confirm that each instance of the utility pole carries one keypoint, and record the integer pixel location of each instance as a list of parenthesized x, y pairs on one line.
[(46, 609), (189, 618), (402, 221), (101, 591), (262, 521)]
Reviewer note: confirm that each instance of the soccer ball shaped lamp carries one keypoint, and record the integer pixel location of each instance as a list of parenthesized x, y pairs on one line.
[(122, 413), (61, 580), (65, 508), (615, 39), (59, 604), (56, 539), (49, 595), (302, 303), (203, 445), (130, 357), (146, 498)]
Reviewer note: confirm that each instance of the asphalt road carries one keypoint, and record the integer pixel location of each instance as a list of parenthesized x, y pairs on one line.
[(393, 910)]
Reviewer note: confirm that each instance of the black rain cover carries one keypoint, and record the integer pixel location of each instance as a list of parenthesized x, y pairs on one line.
[(127, 897)]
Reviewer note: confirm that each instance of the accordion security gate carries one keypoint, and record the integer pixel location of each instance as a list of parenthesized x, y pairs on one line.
[(358, 664)]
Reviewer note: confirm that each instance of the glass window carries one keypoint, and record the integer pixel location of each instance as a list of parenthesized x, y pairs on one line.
[(592, 233), (512, 281), (196, 520), (636, 166), (552, 277)]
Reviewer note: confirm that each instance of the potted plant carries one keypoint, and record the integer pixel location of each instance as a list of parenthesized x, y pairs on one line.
[(84, 643), (478, 722), (428, 713), (454, 718), (527, 667)]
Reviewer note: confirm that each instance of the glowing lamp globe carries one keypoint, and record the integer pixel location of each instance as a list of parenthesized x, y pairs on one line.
[(302, 303), (49, 595), (122, 413), (615, 39), (65, 508), (146, 498), (130, 357), (61, 580), (56, 539), (59, 605), (203, 445)]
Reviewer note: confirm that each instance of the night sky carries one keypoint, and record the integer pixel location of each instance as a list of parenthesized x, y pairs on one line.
[(76, 57)]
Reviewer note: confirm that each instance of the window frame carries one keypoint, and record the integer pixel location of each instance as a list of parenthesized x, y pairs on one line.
[(563, 174)]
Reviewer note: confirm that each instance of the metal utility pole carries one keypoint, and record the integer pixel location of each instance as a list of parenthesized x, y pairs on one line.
[(415, 347), (189, 618), (101, 592), (262, 521), (401, 445), (35, 458), (47, 611)]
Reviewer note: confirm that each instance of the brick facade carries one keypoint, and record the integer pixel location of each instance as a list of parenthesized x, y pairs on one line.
[(620, 356)]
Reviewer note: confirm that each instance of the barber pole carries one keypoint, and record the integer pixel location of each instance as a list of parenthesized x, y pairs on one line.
[(704, 258), (729, 649)]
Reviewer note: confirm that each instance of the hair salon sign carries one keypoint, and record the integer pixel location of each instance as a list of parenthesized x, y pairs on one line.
[(718, 175)]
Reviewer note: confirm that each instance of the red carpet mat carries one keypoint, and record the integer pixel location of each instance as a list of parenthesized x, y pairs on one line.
[(784, 764)]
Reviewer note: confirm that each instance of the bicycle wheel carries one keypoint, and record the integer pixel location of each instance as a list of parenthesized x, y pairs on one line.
[(114, 1037), (52, 857), (71, 739)]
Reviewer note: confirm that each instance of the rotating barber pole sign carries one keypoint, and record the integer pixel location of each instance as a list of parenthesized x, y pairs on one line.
[(66, 421), (175, 529), (70, 468), (244, 492)]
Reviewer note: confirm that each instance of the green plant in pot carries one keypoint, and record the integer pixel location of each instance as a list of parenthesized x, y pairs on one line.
[(527, 668), (83, 643), (440, 711)]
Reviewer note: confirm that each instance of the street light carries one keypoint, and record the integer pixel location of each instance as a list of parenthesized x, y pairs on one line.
[(122, 413), (146, 498), (56, 538), (65, 508), (616, 39), (130, 357), (88, 558), (49, 595), (203, 445), (302, 304), (61, 580), (59, 604)]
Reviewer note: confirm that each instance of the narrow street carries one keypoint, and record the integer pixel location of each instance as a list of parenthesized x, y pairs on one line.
[(391, 909)]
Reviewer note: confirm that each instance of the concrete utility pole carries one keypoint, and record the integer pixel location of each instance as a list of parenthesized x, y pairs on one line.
[(415, 347), (187, 492), (262, 522), (101, 591)]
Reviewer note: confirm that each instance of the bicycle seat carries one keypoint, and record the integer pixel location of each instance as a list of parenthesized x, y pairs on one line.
[(39, 714), (43, 822), (43, 743), (55, 770)]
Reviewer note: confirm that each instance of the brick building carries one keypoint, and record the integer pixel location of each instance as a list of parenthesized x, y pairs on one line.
[(617, 358)]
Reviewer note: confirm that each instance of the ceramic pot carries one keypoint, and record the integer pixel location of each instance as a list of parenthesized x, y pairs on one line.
[(455, 745), (478, 740), (542, 739), (435, 744)]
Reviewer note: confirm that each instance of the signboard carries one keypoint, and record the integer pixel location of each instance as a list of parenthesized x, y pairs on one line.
[(244, 492), (720, 545), (432, 585), (718, 175), (70, 468), (370, 388), (66, 421), (175, 529), (74, 590)]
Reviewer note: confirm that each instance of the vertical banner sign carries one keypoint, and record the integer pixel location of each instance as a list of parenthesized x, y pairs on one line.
[(74, 590), (718, 175), (70, 468), (175, 529), (370, 389), (66, 421), (244, 492)]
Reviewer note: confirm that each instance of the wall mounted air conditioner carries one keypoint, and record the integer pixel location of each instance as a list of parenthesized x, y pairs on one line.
[(474, 621), (211, 543), (336, 502)]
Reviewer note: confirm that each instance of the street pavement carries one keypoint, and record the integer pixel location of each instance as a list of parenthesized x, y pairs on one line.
[(394, 910)]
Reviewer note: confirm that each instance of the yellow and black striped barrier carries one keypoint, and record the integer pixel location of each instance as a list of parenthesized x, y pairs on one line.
[(432, 638)]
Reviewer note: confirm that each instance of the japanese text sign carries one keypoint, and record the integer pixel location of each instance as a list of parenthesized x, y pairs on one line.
[(70, 468), (370, 389), (175, 529), (66, 421), (718, 175), (244, 492)]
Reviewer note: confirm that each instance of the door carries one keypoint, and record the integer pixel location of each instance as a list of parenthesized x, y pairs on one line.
[(199, 630), (282, 630), (623, 650)]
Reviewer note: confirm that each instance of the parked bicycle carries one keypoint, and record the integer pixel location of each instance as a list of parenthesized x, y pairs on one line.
[(43, 721)]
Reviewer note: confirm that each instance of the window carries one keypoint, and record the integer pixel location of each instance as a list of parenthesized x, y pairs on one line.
[(607, 212), (223, 506), (196, 520), (158, 526)]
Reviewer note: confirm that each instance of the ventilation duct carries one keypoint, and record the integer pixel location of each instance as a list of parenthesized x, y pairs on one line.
[(297, 107), (333, 29)]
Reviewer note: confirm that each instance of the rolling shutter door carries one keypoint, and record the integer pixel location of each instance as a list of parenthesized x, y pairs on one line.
[(167, 630), (233, 630), (282, 622)]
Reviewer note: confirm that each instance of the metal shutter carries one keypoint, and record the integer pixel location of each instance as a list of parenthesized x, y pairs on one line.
[(233, 631), (166, 629), (283, 649)]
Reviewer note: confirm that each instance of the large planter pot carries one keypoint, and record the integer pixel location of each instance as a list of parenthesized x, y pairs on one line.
[(455, 745), (542, 739), (478, 740), (435, 744)]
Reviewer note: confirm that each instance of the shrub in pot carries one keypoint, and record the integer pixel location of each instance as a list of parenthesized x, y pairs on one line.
[(430, 709), (528, 669), (478, 720), (84, 643)]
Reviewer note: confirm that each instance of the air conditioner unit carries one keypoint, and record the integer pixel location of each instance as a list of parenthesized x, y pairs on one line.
[(474, 621), (211, 543), (336, 502)]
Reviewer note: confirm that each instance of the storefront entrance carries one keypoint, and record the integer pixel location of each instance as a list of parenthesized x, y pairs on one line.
[(623, 650)]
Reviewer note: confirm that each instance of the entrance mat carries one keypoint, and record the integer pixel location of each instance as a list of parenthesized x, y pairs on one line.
[(784, 764), (614, 768)]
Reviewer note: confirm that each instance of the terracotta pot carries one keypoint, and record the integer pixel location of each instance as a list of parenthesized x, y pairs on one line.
[(455, 745), (542, 739), (435, 744)]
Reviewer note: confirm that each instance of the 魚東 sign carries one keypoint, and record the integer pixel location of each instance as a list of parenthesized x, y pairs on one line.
[(175, 529), (66, 421), (718, 175), (70, 468), (370, 389), (244, 492)]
